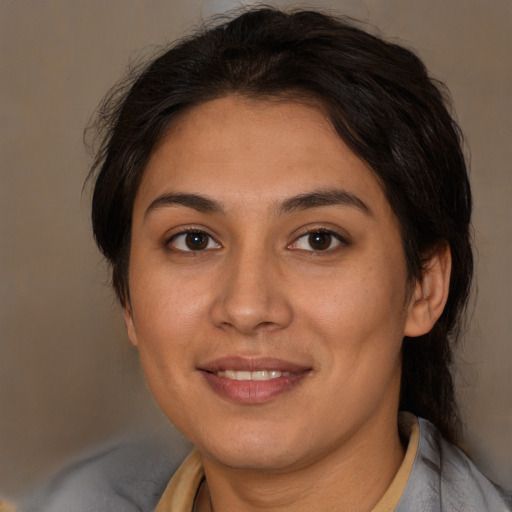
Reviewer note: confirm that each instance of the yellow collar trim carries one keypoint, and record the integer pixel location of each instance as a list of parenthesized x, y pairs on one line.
[(180, 493), (409, 428)]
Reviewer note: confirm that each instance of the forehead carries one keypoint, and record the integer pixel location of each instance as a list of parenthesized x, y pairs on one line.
[(254, 151)]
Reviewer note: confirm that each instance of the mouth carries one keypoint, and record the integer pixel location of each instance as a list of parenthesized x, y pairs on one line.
[(252, 381), (259, 375)]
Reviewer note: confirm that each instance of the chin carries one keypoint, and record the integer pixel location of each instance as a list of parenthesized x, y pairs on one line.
[(257, 457), (264, 448)]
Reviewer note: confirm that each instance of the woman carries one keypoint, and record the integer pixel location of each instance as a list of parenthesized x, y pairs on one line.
[(285, 206)]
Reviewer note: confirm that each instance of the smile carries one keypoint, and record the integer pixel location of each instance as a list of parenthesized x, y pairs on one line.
[(250, 381), (259, 375)]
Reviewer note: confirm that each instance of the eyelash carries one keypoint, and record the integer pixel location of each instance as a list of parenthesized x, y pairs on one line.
[(331, 238), (172, 245)]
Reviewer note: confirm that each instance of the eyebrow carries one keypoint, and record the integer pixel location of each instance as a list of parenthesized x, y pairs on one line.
[(324, 197), (195, 201), (315, 199)]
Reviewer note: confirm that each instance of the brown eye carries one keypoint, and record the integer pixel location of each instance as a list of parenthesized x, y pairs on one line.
[(193, 241), (317, 241), (320, 241), (196, 241)]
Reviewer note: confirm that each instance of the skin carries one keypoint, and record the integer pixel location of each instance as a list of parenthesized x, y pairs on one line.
[(261, 288)]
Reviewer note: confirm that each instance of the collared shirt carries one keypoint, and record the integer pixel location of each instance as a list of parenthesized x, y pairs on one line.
[(136, 476)]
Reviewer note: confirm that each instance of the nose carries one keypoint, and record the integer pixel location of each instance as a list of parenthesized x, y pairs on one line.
[(252, 296)]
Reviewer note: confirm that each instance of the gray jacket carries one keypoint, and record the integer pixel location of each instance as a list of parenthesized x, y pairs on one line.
[(444, 479), (132, 477)]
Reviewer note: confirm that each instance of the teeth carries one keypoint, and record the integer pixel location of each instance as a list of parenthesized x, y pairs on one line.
[(256, 375)]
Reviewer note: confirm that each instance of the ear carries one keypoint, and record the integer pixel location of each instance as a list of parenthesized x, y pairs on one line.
[(129, 322), (429, 295)]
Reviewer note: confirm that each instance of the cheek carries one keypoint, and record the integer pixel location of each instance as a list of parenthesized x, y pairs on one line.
[(168, 316), (168, 326), (361, 317), (164, 298), (358, 298)]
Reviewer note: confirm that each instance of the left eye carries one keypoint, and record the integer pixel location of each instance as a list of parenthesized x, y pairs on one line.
[(193, 241), (317, 241)]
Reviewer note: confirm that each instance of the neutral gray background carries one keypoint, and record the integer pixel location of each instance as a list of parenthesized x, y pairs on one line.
[(68, 377)]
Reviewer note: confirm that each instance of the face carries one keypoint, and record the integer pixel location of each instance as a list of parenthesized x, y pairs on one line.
[(268, 285)]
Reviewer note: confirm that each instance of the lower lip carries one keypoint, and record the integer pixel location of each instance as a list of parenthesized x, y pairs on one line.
[(252, 391)]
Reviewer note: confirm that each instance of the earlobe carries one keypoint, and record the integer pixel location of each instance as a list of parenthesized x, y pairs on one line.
[(130, 324), (429, 295)]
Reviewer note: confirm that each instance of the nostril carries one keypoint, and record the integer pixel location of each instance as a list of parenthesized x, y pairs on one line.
[(251, 317)]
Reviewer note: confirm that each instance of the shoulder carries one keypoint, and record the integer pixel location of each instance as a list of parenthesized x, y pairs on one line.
[(445, 479), (128, 475)]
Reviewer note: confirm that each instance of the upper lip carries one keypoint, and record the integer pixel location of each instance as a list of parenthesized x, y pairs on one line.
[(252, 364)]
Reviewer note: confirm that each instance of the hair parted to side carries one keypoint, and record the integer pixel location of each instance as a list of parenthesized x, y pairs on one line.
[(383, 105)]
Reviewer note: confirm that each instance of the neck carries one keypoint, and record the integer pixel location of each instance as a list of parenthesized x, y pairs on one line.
[(353, 477)]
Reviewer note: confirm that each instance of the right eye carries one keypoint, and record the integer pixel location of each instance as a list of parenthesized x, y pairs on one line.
[(319, 240), (193, 241)]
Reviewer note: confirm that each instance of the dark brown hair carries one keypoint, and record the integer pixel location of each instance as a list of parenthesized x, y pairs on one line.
[(381, 102)]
